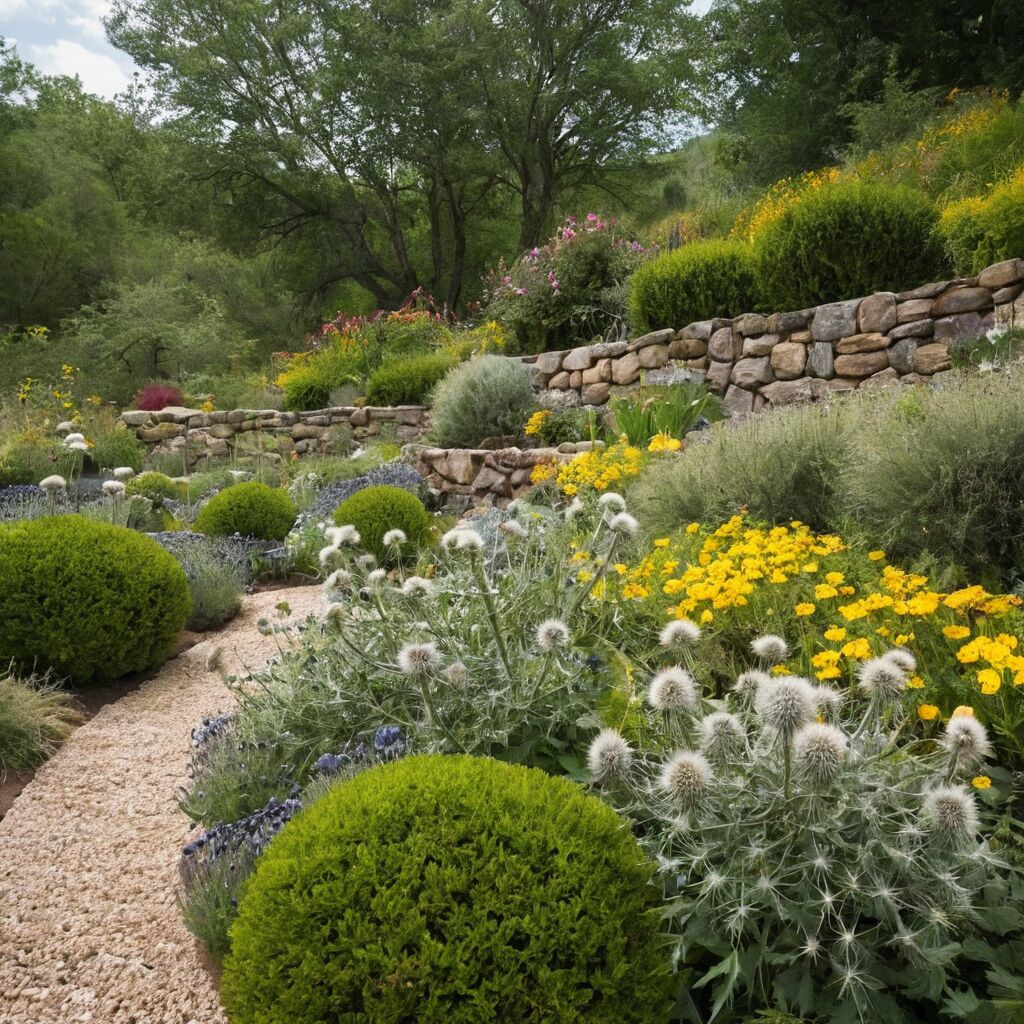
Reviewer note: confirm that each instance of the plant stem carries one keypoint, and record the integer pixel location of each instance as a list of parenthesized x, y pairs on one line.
[(492, 611)]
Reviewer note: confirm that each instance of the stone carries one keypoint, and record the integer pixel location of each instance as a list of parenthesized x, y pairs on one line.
[(788, 360), (671, 374), (217, 447), (161, 432), (626, 369), (786, 323), (305, 432), (596, 394), (576, 379), (652, 356), (760, 344), (901, 354), (700, 330), (862, 343), (792, 392), (593, 375), (999, 275), (914, 329), (877, 313), (135, 418), (820, 360), (359, 418), (881, 379), (738, 402), (749, 373), (578, 359), (801, 337), (1007, 294), (962, 326), (718, 376), (662, 337), (549, 362), (933, 358), (835, 320), (961, 300), (861, 364), (720, 346), (842, 385), (559, 382), (698, 364), (460, 464), (487, 478), (608, 349), (221, 430), (687, 348), (913, 309), (925, 291), (1010, 314), (750, 324)]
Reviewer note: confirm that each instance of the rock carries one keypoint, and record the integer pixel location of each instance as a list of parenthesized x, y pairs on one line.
[(933, 358), (578, 359), (749, 373), (559, 382), (862, 343), (698, 364), (791, 392), (835, 320), (135, 418), (359, 418), (786, 323), (901, 354), (820, 359), (653, 355), (760, 344), (999, 275), (881, 379), (1007, 294), (962, 326), (961, 300), (700, 330), (662, 337), (913, 309), (750, 324), (843, 385), (304, 432), (925, 291), (720, 346), (460, 464), (596, 394), (877, 313), (687, 348), (718, 376), (738, 402), (221, 430), (801, 337), (608, 349), (216, 447), (914, 329), (602, 371), (861, 364), (626, 369), (576, 379), (788, 360), (486, 479), (671, 374), (161, 432)]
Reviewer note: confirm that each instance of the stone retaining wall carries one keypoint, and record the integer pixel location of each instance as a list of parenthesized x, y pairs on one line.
[(216, 433), (753, 359)]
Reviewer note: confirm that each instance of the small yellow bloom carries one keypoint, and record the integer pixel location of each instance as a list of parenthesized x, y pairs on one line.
[(804, 609), (955, 632), (824, 591), (835, 578), (990, 681), (706, 617), (877, 556), (963, 709), (915, 682), (661, 542), (693, 528), (857, 649), (981, 782), (927, 712), (835, 634)]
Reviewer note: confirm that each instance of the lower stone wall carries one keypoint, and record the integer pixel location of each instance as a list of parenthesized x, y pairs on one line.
[(218, 433), (753, 359)]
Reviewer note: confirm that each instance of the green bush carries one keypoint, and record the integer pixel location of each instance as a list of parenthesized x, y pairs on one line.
[(89, 600), (155, 486), (717, 277), (215, 583), (35, 718), (375, 510), (118, 448), (24, 461), (450, 889), (490, 396), (846, 239), (980, 231), (249, 509), (408, 381)]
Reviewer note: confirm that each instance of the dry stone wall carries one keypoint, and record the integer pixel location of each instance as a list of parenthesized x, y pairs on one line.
[(753, 360)]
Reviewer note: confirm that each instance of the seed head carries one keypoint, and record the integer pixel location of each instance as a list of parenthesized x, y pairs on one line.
[(770, 648), (552, 634), (902, 658), (512, 528), (786, 704), (327, 554), (113, 487), (78, 446), (338, 581), (418, 659), (673, 689), (394, 538), (686, 777), (882, 678), (417, 586), (456, 674), (721, 737), (966, 741), (53, 483), (749, 682), (679, 631), (623, 522), (574, 509), (612, 502), (819, 752), (609, 756), (74, 439), (462, 538), (951, 810), (124, 473), (376, 578)]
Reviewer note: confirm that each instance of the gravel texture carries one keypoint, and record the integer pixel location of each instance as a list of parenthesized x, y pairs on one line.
[(89, 925)]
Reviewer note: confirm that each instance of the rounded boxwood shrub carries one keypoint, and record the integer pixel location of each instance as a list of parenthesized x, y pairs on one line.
[(155, 486), (250, 509), (408, 381), (87, 600), (717, 277), (375, 510), (452, 889), (847, 239)]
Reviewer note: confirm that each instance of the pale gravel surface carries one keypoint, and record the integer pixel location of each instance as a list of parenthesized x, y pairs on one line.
[(89, 926)]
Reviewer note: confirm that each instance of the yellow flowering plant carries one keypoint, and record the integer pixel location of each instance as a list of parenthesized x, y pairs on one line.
[(600, 469)]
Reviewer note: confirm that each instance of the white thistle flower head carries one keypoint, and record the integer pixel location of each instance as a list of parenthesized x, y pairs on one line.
[(951, 810), (552, 635), (902, 658), (574, 509), (786, 704), (828, 698), (609, 756), (395, 538), (366, 562), (819, 751), (113, 487), (417, 586), (721, 737), (748, 683), (612, 502), (53, 483), (679, 632), (78, 446), (124, 473), (882, 678), (456, 674), (376, 578), (462, 538), (673, 689), (686, 777), (623, 522), (770, 648), (966, 740), (64, 427), (74, 439), (326, 555), (513, 528), (418, 659), (338, 581), (343, 535)]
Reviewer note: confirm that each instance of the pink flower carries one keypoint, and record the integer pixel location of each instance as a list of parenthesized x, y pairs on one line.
[(591, 217), (520, 291), (506, 279), (568, 233)]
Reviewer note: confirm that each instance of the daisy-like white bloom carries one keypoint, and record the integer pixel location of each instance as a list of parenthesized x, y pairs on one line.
[(462, 538), (902, 658), (74, 439), (951, 810), (966, 740), (623, 522), (113, 487), (53, 483), (574, 508), (770, 648), (686, 777), (552, 634), (679, 632), (673, 689), (418, 659), (513, 528), (609, 756), (612, 502), (326, 555), (124, 473), (721, 737), (882, 678), (786, 704), (819, 751), (395, 538), (417, 586)]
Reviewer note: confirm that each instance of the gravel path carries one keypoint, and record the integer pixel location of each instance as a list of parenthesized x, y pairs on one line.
[(89, 926)]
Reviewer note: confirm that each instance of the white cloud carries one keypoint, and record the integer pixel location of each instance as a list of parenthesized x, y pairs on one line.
[(99, 73)]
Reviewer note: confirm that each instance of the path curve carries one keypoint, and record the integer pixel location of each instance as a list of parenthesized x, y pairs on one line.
[(89, 927)]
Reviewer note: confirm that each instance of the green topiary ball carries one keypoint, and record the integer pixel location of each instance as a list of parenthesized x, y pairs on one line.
[(88, 600), (450, 889), (250, 509), (374, 511), (155, 486)]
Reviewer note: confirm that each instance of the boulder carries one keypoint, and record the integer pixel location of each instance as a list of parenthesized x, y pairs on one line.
[(788, 360), (835, 320), (862, 343), (662, 337), (738, 402), (881, 379), (820, 360), (596, 394), (913, 309), (786, 323), (999, 275), (1010, 314), (460, 464), (901, 354), (576, 379), (579, 358), (791, 392), (626, 369), (801, 337), (601, 371), (961, 300), (933, 358), (1007, 294), (135, 417), (559, 382), (720, 346), (549, 362), (687, 348), (652, 356), (750, 324), (861, 364), (962, 326), (718, 376), (914, 329), (749, 373), (701, 330), (877, 313), (925, 291), (759, 344)]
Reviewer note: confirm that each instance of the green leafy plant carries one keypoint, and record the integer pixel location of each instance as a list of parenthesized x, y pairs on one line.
[(87, 600), (154, 486), (509, 896), (119, 447), (407, 381), (250, 509), (377, 511), (35, 718), (672, 411), (981, 230)]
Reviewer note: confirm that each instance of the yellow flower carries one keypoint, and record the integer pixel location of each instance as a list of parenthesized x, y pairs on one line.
[(661, 542), (535, 422), (955, 632), (835, 634), (829, 673), (803, 609), (857, 649), (990, 681), (706, 617), (835, 578), (876, 556), (664, 443), (915, 682), (584, 577), (692, 528), (963, 709), (823, 591), (927, 712), (981, 782)]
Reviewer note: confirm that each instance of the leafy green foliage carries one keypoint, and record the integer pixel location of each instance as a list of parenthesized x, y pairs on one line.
[(407, 381), (35, 718), (509, 895), (374, 511), (25, 460), (672, 410), (87, 600), (250, 509), (154, 486), (490, 396), (215, 583), (118, 448), (982, 230), (695, 282), (846, 239)]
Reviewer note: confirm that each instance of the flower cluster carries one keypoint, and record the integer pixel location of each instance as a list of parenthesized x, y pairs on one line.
[(778, 198), (599, 468)]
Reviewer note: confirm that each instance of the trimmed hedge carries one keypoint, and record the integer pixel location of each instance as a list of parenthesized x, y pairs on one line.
[(408, 381), (375, 510), (695, 282), (451, 889), (87, 600), (250, 509)]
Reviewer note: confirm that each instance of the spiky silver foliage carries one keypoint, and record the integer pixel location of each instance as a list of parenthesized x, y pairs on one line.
[(786, 703), (952, 812), (882, 679)]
